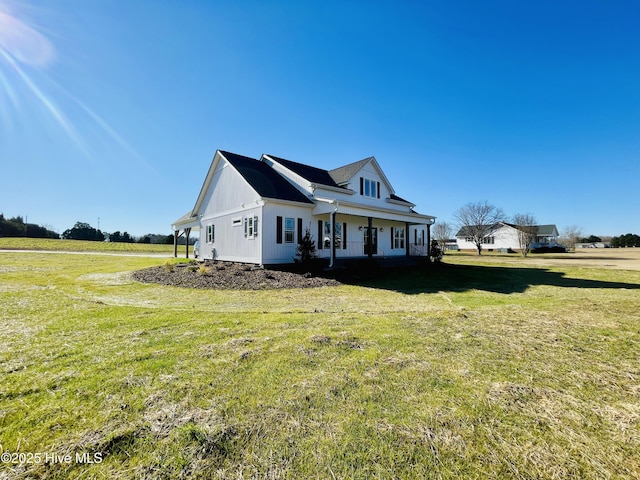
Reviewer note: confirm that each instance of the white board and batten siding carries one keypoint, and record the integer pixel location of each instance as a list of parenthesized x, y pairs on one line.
[(229, 204), (238, 225), (370, 173), (276, 248)]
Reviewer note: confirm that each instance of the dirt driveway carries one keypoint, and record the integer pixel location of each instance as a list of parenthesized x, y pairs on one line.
[(610, 258)]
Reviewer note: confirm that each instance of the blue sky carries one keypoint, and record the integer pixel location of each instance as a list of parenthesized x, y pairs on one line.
[(114, 109)]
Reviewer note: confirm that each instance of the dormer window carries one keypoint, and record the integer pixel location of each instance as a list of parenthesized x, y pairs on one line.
[(369, 188)]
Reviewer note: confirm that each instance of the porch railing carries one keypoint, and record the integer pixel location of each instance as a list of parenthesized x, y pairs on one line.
[(418, 250), (356, 249)]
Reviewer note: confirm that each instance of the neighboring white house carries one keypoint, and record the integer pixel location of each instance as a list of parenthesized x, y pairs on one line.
[(505, 236), (593, 245), (257, 211)]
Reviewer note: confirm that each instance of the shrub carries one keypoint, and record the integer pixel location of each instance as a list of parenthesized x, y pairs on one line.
[(306, 249)]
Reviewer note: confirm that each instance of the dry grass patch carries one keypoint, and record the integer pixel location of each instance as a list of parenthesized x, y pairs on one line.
[(486, 370)]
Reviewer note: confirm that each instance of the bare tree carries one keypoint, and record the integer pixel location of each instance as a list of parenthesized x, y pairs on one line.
[(525, 224), (570, 236), (442, 233), (478, 220)]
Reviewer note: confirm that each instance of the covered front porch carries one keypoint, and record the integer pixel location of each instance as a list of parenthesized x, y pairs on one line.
[(350, 232)]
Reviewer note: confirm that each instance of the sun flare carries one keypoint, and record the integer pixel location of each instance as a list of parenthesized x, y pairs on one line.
[(29, 90), (24, 43)]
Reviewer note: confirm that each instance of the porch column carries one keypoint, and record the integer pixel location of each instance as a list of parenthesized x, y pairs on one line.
[(175, 243), (370, 235), (406, 238), (332, 235), (428, 240), (188, 232)]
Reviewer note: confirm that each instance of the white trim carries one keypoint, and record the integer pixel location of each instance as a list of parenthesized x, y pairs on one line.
[(228, 212), (288, 202), (400, 202), (322, 186), (193, 223)]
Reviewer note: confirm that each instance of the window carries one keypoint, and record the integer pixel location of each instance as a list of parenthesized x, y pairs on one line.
[(337, 235), (251, 227), (211, 230), (369, 188), (398, 237), (289, 230), (489, 240)]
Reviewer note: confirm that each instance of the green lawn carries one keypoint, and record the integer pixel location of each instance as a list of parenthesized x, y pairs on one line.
[(10, 243), (482, 368)]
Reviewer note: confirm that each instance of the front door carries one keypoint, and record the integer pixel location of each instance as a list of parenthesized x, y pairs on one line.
[(373, 248)]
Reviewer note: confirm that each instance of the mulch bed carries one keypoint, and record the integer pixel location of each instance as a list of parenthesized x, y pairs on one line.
[(229, 276)]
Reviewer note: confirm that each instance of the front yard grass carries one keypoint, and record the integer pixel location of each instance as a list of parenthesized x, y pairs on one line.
[(49, 244), (481, 368)]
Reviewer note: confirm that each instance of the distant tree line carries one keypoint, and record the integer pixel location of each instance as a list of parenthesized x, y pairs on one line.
[(16, 227), (626, 240), (590, 239), (84, 231)]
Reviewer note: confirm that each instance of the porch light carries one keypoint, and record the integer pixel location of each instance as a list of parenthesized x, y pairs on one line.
[(360, 228)]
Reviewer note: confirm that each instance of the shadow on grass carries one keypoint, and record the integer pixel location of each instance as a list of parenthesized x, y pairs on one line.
[(461, 278)]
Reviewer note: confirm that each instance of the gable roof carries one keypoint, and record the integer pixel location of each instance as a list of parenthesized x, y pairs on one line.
[(547, 230), (312, 174), (470, 230), (343, 174), (541, 230), (265, 180), (338, 177)]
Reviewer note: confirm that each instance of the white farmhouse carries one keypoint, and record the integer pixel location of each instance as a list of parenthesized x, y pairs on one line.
[(505, 236), (257, 211)]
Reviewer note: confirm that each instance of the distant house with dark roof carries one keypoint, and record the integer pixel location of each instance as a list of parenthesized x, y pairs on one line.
[(257, 211), (505, 236)]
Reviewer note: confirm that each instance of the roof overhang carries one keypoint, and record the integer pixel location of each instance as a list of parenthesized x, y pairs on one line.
[(320, 186), (400, 202), (186, 221), (288, 202)]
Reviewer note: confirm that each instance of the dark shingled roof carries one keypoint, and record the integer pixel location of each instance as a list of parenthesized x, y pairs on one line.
[(540, 229), (265, 180), (312, 174), (469, 230), (345, 173), (399, 199)]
